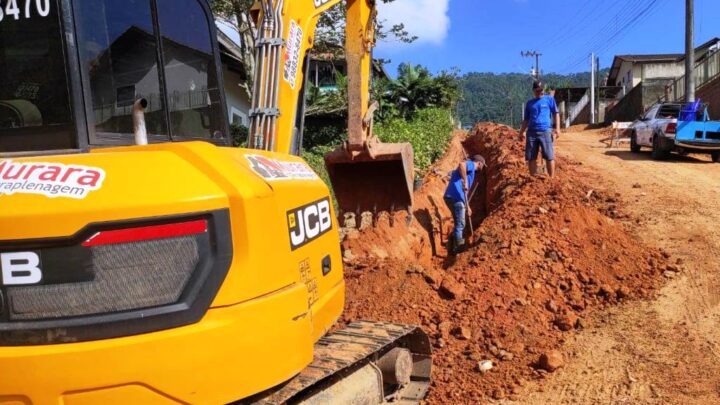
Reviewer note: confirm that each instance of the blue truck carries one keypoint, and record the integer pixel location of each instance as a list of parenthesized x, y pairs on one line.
[(696, 133)]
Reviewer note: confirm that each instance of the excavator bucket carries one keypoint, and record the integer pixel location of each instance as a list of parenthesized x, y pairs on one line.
[(377, 179)]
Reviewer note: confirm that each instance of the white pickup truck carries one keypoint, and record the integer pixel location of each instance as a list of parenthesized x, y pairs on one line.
[(656, 129)]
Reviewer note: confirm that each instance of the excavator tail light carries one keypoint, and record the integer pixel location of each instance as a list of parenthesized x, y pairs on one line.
[(147, 233)]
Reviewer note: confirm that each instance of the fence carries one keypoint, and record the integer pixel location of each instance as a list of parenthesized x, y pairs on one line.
[(179, 101), (705, 72)]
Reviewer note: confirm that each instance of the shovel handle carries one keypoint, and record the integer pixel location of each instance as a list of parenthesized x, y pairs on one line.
[(469, 218)]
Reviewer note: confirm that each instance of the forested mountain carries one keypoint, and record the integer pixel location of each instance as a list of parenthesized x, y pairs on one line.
[(500, 97)]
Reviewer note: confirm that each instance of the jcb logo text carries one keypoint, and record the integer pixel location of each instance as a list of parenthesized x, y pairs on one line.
[(22, 268), (309, 222)]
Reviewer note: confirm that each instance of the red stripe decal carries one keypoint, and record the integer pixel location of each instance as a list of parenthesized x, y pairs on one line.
[(147, 233)]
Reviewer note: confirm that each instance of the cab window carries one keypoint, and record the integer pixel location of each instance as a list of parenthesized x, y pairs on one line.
[(35, 112), (190, 71), (118, 51), (160, 50)]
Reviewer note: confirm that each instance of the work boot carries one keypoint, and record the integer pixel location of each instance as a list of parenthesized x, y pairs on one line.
[(451, 244), (459, 246)]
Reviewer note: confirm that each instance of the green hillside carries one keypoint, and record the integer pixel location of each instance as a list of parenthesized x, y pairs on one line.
[(500, 97)]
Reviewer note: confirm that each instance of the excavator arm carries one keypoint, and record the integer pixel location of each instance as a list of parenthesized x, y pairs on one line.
[(286, 34), (366, 174)]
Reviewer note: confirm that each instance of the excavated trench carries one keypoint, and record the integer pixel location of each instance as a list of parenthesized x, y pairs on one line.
[(547, 253), (390, 236)]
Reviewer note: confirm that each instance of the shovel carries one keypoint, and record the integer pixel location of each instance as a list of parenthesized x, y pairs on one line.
[(471, 239)]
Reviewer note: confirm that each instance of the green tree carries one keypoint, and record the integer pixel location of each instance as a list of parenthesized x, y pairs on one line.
[(236, 14), (329, 36), (416, 89)]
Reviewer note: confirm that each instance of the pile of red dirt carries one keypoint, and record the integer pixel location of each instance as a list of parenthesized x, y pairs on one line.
[(547, 252)]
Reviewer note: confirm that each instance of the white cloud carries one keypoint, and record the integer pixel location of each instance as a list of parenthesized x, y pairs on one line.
[(426, 19)]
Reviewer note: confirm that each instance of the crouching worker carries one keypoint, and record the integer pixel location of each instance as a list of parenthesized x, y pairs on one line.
[(457, 199)]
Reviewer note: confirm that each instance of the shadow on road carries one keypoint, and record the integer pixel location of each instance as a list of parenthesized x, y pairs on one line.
[(631, 156)]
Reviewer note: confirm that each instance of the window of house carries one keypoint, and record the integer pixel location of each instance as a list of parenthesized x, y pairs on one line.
[(190, 71), (118, 53), (237, 117)]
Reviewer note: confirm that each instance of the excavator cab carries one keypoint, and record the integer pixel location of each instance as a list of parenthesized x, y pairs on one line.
[(72, 70)]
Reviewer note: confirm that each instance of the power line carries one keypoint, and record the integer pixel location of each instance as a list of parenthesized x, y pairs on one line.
[(622, 17), (616, 37), (580, 25), (645, 13), (624, 14), (604, 41)]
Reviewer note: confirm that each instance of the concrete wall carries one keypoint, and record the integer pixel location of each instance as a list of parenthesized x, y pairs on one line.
[(647, 71), (238, 102), (662, 70), (639, 99), (583, 117), (653, 91), (628, 108)]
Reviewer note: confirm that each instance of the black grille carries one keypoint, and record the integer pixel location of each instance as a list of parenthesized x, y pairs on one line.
[(712, 135), (127, 276), (118, 289)]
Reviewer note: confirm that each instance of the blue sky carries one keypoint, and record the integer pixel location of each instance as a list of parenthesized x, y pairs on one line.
[(488, 35)]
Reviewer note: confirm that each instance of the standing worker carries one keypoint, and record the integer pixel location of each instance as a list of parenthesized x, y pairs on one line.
[(540, 114), (457, 198)]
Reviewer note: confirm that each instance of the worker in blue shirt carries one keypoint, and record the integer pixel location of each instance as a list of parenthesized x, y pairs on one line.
[(456, 198), (541, 113)]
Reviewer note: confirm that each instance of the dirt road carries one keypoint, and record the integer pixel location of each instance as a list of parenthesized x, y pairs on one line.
[(666, 350)]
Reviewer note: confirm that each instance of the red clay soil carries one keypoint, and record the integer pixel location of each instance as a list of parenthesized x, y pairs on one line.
[(546, 254)]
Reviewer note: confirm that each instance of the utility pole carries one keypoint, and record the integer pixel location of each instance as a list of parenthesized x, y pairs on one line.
[(592, 88), (537, 56), (597, 89), (689, 51)]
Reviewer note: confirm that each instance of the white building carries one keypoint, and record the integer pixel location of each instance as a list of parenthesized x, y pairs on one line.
[(235, 77)]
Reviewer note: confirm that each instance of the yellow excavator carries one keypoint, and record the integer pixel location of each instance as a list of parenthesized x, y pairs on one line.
[(142, 259)]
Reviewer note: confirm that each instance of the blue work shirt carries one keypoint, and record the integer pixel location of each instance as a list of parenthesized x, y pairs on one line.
[(455, 188), (540, 112)]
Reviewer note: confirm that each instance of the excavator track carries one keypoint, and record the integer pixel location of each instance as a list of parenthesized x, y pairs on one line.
[(345, 351)]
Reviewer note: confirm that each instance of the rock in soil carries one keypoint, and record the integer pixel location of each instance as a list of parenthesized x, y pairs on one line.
[(566, 322), (452, 289), (551, 361), (484, 366), (462, 333)]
